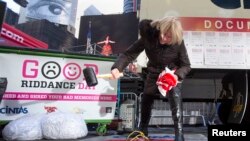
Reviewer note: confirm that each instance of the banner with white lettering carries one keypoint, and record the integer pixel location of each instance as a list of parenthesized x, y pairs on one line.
[(41, 84)]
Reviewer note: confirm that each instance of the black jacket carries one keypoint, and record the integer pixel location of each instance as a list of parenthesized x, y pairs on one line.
[(160, 56)]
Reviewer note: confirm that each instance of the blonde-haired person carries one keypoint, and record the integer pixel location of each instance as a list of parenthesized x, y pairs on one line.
[(170, 26), (163, 43)]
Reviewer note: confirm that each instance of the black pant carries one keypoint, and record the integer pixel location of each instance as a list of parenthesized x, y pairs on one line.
[(175, 101)]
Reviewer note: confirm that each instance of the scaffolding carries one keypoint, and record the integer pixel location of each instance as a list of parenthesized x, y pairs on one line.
[(84, 49)]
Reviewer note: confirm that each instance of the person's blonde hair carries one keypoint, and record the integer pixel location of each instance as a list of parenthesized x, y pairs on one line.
[(171, 25)]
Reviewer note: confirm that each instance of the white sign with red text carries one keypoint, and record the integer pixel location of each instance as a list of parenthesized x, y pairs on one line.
[(217, 42), (40, 84)]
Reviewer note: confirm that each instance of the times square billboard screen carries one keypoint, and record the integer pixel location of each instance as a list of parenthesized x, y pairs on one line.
[(121, 29)]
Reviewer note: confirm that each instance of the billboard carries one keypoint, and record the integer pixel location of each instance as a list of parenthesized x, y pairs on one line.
[(216, 32), (195, 8), (56, 11), (121, 30), (11, 36)]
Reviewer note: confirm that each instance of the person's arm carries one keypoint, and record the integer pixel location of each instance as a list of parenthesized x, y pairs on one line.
[(101, 42), (112, 42), (125, 58), (183, 63), (146, 33)]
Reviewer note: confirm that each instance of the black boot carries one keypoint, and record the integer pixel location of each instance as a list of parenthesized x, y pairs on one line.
[(143, 128), (146, 108), (175, 102), (146, 105)]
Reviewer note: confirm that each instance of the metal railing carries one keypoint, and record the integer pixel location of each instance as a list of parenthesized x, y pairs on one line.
[(128, 110), (93, 49)]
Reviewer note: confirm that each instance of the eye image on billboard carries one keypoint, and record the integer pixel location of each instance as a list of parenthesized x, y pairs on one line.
[(57, 11)]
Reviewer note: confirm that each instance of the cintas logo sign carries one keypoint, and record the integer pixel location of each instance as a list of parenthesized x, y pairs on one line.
[(232, 4)]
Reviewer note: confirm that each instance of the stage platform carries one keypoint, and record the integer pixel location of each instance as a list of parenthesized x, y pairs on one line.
[(193, 133)]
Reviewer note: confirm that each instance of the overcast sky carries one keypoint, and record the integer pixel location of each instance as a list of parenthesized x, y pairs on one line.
[(12, 5), (105, 6)]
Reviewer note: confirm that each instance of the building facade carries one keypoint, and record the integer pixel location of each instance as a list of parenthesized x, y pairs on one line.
[(131, 6)]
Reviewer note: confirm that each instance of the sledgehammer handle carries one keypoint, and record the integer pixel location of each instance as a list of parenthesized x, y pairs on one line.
[(106, 75)]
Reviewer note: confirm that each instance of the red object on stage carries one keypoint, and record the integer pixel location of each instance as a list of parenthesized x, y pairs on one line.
[(166, 81), (10, 36)]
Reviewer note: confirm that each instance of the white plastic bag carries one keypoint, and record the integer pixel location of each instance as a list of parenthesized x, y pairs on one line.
[(58, 125), (27, 127)]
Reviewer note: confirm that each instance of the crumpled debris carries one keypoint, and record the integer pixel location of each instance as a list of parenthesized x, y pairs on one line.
[(166, 81)]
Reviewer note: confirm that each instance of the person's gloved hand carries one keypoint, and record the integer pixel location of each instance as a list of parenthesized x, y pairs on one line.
[(166, 81), (115, 73)]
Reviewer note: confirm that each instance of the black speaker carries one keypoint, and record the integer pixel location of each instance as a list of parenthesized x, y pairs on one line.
[(2, 12)]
